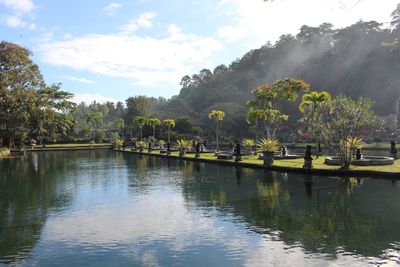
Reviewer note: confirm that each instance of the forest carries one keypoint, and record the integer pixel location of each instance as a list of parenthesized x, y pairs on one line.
[(359, 60)]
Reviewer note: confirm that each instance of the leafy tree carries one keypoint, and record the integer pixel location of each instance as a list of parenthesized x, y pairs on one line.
[(395, 23), (28, 107), (170, 123), (183, 125), (218, 116), (119, 124), (341, 120), (137, 106)]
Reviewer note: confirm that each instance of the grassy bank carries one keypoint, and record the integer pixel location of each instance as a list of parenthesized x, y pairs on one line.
[(378, 146), (289, 164), (74, 145), (4, 152)]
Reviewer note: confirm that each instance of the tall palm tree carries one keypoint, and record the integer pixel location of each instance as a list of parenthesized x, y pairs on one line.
[(140, 121), (119, 124), (153, 122), (170, 123), (218, 116), (310, 104)]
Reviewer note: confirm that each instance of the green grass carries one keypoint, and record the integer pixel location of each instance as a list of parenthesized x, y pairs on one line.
[(318, 164), (4, 152), (73, 145), (385, 145)]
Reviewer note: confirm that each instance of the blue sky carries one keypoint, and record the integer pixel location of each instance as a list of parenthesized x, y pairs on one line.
[(110, 50)]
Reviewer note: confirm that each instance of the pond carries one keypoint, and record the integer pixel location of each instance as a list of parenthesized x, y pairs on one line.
[(101, 208)]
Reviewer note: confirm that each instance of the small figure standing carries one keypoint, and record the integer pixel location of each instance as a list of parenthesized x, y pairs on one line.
[(393, 150), (308, 158), (149, 148)]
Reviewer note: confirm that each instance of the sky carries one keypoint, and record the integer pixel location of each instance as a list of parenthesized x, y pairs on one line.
[(109, 50)]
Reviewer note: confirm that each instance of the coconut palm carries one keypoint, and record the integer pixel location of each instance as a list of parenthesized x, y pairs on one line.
[(170, 123), (153, 122), (310, 104), (140, 121), (218, 116)]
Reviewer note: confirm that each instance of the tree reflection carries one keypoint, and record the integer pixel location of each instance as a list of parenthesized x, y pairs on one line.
[(324, 215), (29, 188)]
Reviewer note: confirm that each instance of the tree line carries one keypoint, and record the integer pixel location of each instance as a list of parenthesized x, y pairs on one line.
[(359, 60)]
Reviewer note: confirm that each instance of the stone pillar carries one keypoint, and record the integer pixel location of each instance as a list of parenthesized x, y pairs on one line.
[(308, 158), (393, 150)]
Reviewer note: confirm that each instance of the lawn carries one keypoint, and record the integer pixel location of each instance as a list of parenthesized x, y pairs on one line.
[(74, 145), (318, 164)]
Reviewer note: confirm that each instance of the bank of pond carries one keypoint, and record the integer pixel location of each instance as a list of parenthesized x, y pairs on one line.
[(295, 164)]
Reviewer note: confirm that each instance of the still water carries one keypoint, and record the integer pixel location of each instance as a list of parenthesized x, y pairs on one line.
[(99, 208)]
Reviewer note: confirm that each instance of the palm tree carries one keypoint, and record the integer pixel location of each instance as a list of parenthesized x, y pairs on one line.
[(153, 122), (140, 121), (119, 124), (218, 116), (310, 104), (170, 123)]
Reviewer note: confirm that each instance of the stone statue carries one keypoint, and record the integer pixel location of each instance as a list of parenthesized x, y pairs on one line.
[(308, 158), (284, 151), (393, 150), (238, 156), (197, 155), (359, 155)]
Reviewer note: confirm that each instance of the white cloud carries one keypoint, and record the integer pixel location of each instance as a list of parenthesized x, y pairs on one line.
[(143, 21), (231, 33), (89, 98), (265, 21), (111, 8), (19, 6), (15, 22), (150, 61), (81, 80), (173, 29)]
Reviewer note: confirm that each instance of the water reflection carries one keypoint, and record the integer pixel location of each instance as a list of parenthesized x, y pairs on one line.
[(104, 208)]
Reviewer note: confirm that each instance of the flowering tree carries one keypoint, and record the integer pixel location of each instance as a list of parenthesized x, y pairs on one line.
[(267, 100)]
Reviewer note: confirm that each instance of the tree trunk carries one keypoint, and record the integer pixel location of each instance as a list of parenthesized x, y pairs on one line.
[(140, 133), (217, 138), (169, 134)]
